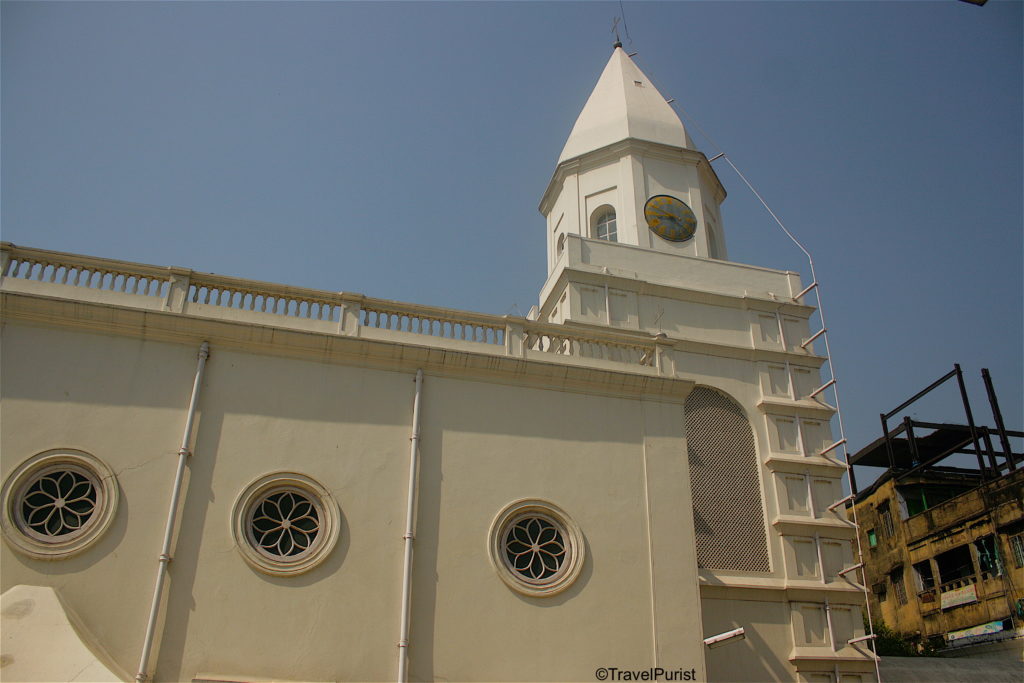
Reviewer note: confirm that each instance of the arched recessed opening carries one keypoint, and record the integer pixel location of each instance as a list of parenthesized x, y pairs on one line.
[(727, 512)]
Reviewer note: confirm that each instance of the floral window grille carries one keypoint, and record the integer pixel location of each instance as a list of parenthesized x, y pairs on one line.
[(284, 524), (58, 503), (535, 547)]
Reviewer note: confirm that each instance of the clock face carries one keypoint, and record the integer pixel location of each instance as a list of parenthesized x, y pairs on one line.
[(670, 218)]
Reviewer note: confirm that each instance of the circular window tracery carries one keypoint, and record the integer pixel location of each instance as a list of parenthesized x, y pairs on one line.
[(536, 548), (285, 523), (57, 503)]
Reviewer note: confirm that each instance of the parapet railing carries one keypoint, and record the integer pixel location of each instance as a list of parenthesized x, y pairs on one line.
[(621, 347), (180, 290), (82, 271), (260, 297), (435, 322)]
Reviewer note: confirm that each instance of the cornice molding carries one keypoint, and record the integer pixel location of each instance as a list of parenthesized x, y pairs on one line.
[(615, 151), (444, 357)]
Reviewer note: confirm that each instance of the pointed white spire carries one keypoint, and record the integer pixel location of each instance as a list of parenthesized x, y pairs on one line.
[(624, 104)]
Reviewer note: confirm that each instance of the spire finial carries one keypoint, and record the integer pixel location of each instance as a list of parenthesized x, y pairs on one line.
[(615, 30)]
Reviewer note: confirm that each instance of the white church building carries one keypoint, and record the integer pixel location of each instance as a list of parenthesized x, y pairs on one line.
[(208, 478)]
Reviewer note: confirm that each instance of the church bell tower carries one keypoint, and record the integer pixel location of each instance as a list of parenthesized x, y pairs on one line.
[(635, 242)]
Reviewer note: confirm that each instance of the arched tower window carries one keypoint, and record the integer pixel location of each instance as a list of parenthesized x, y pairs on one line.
[(603, 224), (727, 512), (560, 245)]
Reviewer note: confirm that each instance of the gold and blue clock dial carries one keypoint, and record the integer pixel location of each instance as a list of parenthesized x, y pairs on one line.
[(670, 218)]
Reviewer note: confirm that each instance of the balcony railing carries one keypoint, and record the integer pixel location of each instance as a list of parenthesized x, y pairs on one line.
[(207, 295)]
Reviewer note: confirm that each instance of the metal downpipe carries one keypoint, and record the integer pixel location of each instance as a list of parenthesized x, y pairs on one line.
[(172, 513), (410, 520)]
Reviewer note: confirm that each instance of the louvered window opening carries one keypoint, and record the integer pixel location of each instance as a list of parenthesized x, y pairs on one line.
[(727, 512)]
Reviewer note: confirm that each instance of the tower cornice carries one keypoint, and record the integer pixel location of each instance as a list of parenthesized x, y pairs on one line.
[(616, 150)]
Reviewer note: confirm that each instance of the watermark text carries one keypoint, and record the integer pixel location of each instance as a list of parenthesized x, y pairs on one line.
[(655, 673)]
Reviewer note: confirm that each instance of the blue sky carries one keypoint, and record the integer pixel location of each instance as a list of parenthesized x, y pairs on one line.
[(400, 150)]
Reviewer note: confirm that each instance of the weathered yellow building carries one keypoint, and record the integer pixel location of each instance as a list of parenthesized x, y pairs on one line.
[(944, 542), (223, 479)]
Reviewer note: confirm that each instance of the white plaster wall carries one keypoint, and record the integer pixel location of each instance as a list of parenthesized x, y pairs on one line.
[(693, 320), (615, 465)]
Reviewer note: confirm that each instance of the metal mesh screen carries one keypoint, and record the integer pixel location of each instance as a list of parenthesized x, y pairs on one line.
[(727, 512)]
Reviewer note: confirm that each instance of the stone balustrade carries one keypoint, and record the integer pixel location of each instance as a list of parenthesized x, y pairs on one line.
[(207, 295), (36, 265), (587, 343), (263, 297), (436, 322)]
